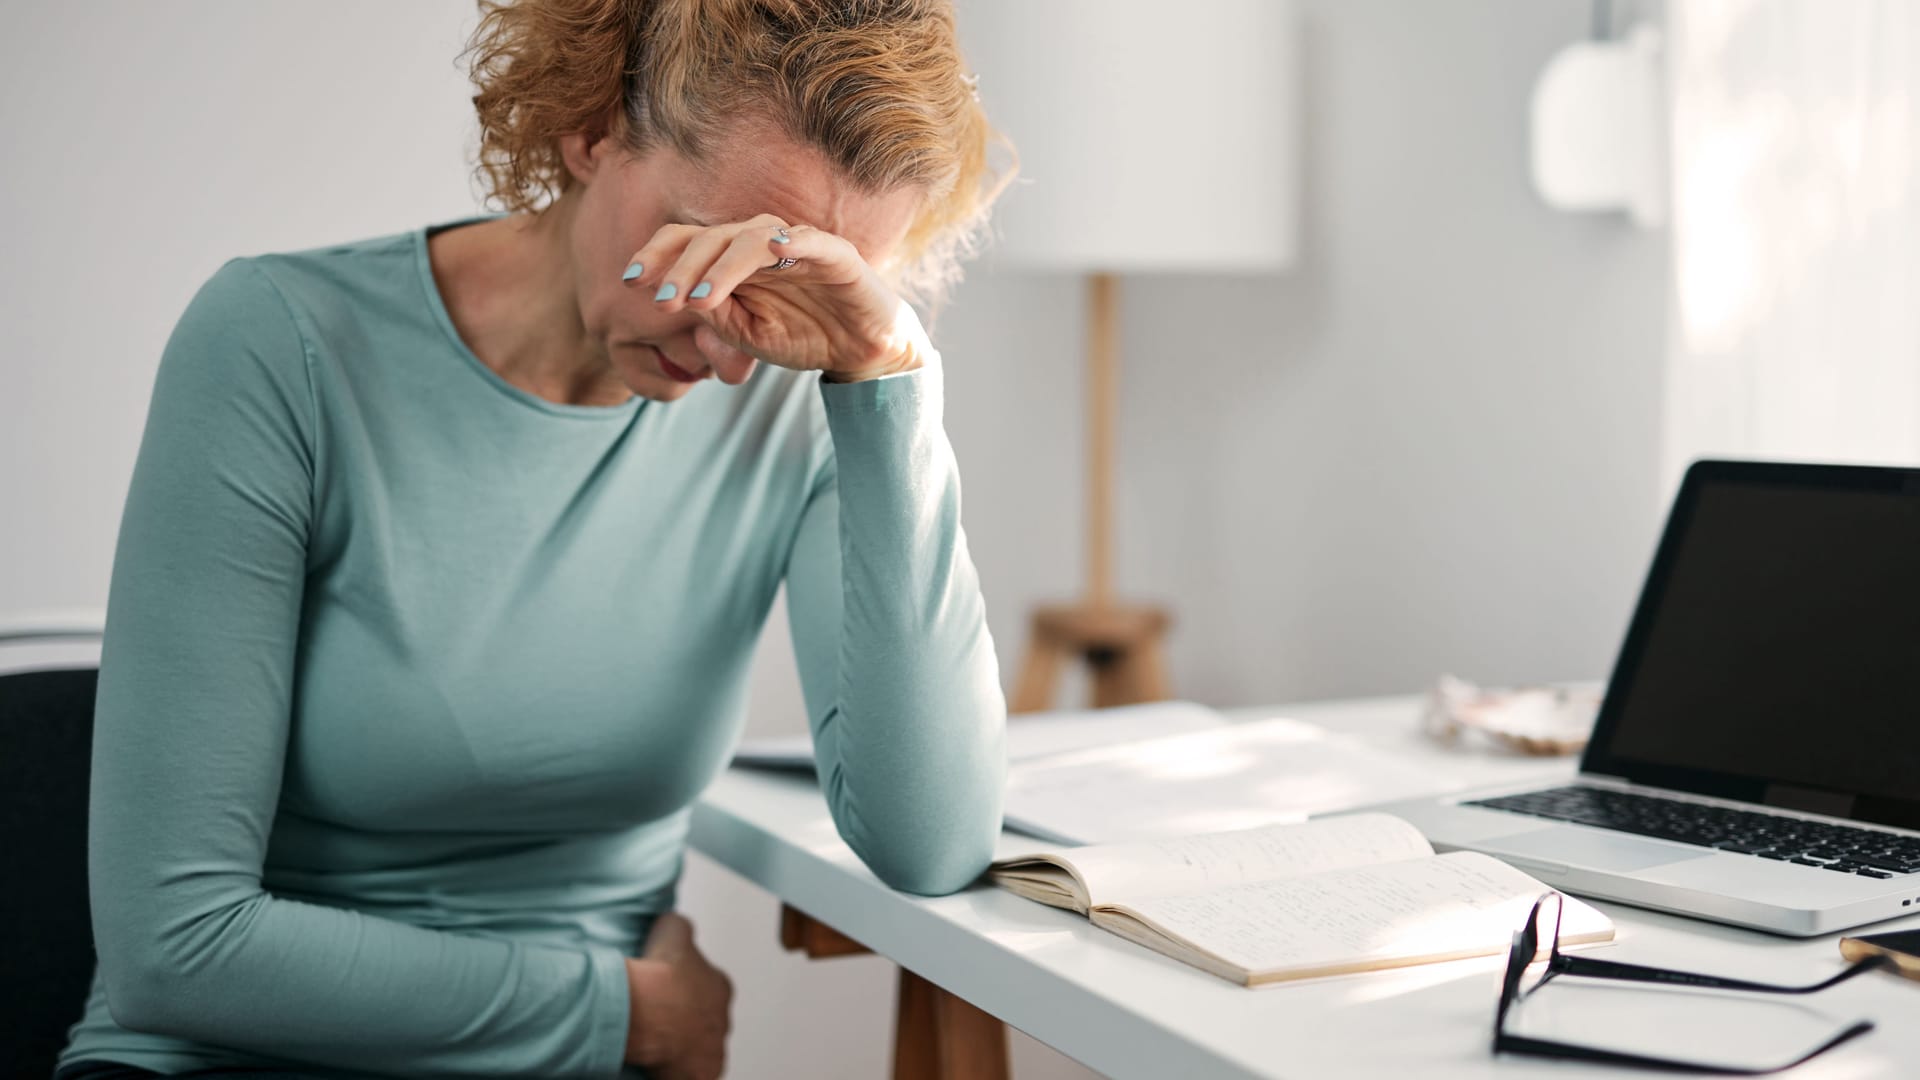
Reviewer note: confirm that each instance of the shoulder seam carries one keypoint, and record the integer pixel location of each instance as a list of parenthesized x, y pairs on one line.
[(306, 369)]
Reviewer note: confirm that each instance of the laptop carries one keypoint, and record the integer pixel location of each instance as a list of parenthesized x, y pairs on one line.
[(1756, 759)]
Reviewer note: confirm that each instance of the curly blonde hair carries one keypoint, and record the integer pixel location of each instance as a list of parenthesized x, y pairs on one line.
[(878, 86)]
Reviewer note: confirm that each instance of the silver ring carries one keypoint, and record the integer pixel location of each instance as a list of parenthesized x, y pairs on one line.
[(783, 264)]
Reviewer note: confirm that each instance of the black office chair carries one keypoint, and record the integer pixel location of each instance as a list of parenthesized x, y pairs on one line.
[(48, 672)]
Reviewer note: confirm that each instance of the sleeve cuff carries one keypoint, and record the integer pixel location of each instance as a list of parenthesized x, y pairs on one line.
[(921, 386), (610, 1011)]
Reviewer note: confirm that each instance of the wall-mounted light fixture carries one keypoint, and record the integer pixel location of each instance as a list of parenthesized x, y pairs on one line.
[(1598, 128)]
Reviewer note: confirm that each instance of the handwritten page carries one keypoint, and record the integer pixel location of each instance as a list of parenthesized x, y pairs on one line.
[(1116, 873), (1359, 919), (1234, 777)]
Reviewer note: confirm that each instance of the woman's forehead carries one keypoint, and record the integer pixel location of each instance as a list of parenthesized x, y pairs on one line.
[(758, 172)]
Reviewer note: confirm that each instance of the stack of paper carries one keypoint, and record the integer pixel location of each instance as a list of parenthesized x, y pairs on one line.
[(1029, 735), (1234, 776), (1166, 769)]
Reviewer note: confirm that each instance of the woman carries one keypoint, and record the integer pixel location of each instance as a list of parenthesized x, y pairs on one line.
[(442, 564)]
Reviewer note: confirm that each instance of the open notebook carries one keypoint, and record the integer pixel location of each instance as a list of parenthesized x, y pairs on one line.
[(1335, 895)]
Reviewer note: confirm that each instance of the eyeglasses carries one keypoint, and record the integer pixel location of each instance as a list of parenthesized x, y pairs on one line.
[(1527, 972)]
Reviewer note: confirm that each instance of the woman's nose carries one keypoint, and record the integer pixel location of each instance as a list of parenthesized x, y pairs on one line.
[(729, 364)]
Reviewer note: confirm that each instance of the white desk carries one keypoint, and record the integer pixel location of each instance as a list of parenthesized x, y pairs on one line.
[(1129, 1012)]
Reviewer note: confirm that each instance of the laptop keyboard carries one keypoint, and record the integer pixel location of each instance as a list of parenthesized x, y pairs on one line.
[(1866, 852)]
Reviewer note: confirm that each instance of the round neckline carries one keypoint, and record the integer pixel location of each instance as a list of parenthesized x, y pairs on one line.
[(438, 305)]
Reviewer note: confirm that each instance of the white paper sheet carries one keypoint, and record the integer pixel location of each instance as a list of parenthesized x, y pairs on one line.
[(1234, 777), (1028, 734)]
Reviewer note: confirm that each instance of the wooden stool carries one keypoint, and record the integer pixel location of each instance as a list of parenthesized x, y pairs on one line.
[(1121, 643)]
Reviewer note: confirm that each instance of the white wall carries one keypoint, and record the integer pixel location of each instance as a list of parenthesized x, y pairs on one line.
[(1436, 446), (144, 145), (1432, 447)]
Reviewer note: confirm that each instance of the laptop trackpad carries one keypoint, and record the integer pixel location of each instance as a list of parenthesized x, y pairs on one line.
[(1588, 848)]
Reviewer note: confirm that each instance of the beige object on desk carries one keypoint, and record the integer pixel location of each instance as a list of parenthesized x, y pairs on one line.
[(1543, 720), (1856, 949)]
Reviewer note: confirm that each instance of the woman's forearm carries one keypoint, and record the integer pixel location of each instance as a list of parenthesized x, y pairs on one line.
[(890, 629), (312, 984)]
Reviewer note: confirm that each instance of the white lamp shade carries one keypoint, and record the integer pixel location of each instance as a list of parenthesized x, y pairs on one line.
[(1152, 136)]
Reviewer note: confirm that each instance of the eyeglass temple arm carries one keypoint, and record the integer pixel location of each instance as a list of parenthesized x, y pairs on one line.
[(1614, 969), (1521, 1044)]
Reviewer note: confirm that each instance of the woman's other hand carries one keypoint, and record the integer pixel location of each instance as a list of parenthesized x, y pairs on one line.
[(679, 1006), (828, 312)]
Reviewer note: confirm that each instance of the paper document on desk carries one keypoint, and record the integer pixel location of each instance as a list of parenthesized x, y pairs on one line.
[(1029, 735), (1232, 777)]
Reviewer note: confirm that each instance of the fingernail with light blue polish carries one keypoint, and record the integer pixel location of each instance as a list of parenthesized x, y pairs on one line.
[(701, 291), (666, 292), (634, 270), (782, 238)]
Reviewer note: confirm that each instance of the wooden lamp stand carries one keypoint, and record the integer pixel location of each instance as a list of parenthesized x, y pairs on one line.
[(1121, 643)]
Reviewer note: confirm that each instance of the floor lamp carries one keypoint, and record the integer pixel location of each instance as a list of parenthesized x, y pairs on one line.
[(1148, 144)]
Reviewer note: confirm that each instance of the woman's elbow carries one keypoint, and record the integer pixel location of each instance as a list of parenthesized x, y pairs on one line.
[(933, 849), (159, 971), (142, 994), (928, 869), (928, 816)]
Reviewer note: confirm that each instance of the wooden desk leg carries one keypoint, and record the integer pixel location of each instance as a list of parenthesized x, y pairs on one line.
[(936, 1035), (800, 932)]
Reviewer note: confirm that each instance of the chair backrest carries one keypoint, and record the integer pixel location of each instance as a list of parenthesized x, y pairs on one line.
[(47, 683)]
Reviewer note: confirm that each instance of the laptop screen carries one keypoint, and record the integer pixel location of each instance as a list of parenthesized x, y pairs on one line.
[(1775, 654)]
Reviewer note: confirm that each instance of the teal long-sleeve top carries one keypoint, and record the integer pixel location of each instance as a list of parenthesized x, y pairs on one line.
[(410, 676)]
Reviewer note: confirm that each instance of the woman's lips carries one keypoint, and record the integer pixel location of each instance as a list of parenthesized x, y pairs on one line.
[(674, 371)]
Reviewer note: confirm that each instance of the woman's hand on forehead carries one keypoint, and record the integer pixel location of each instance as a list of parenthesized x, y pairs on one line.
[(792, 295)]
